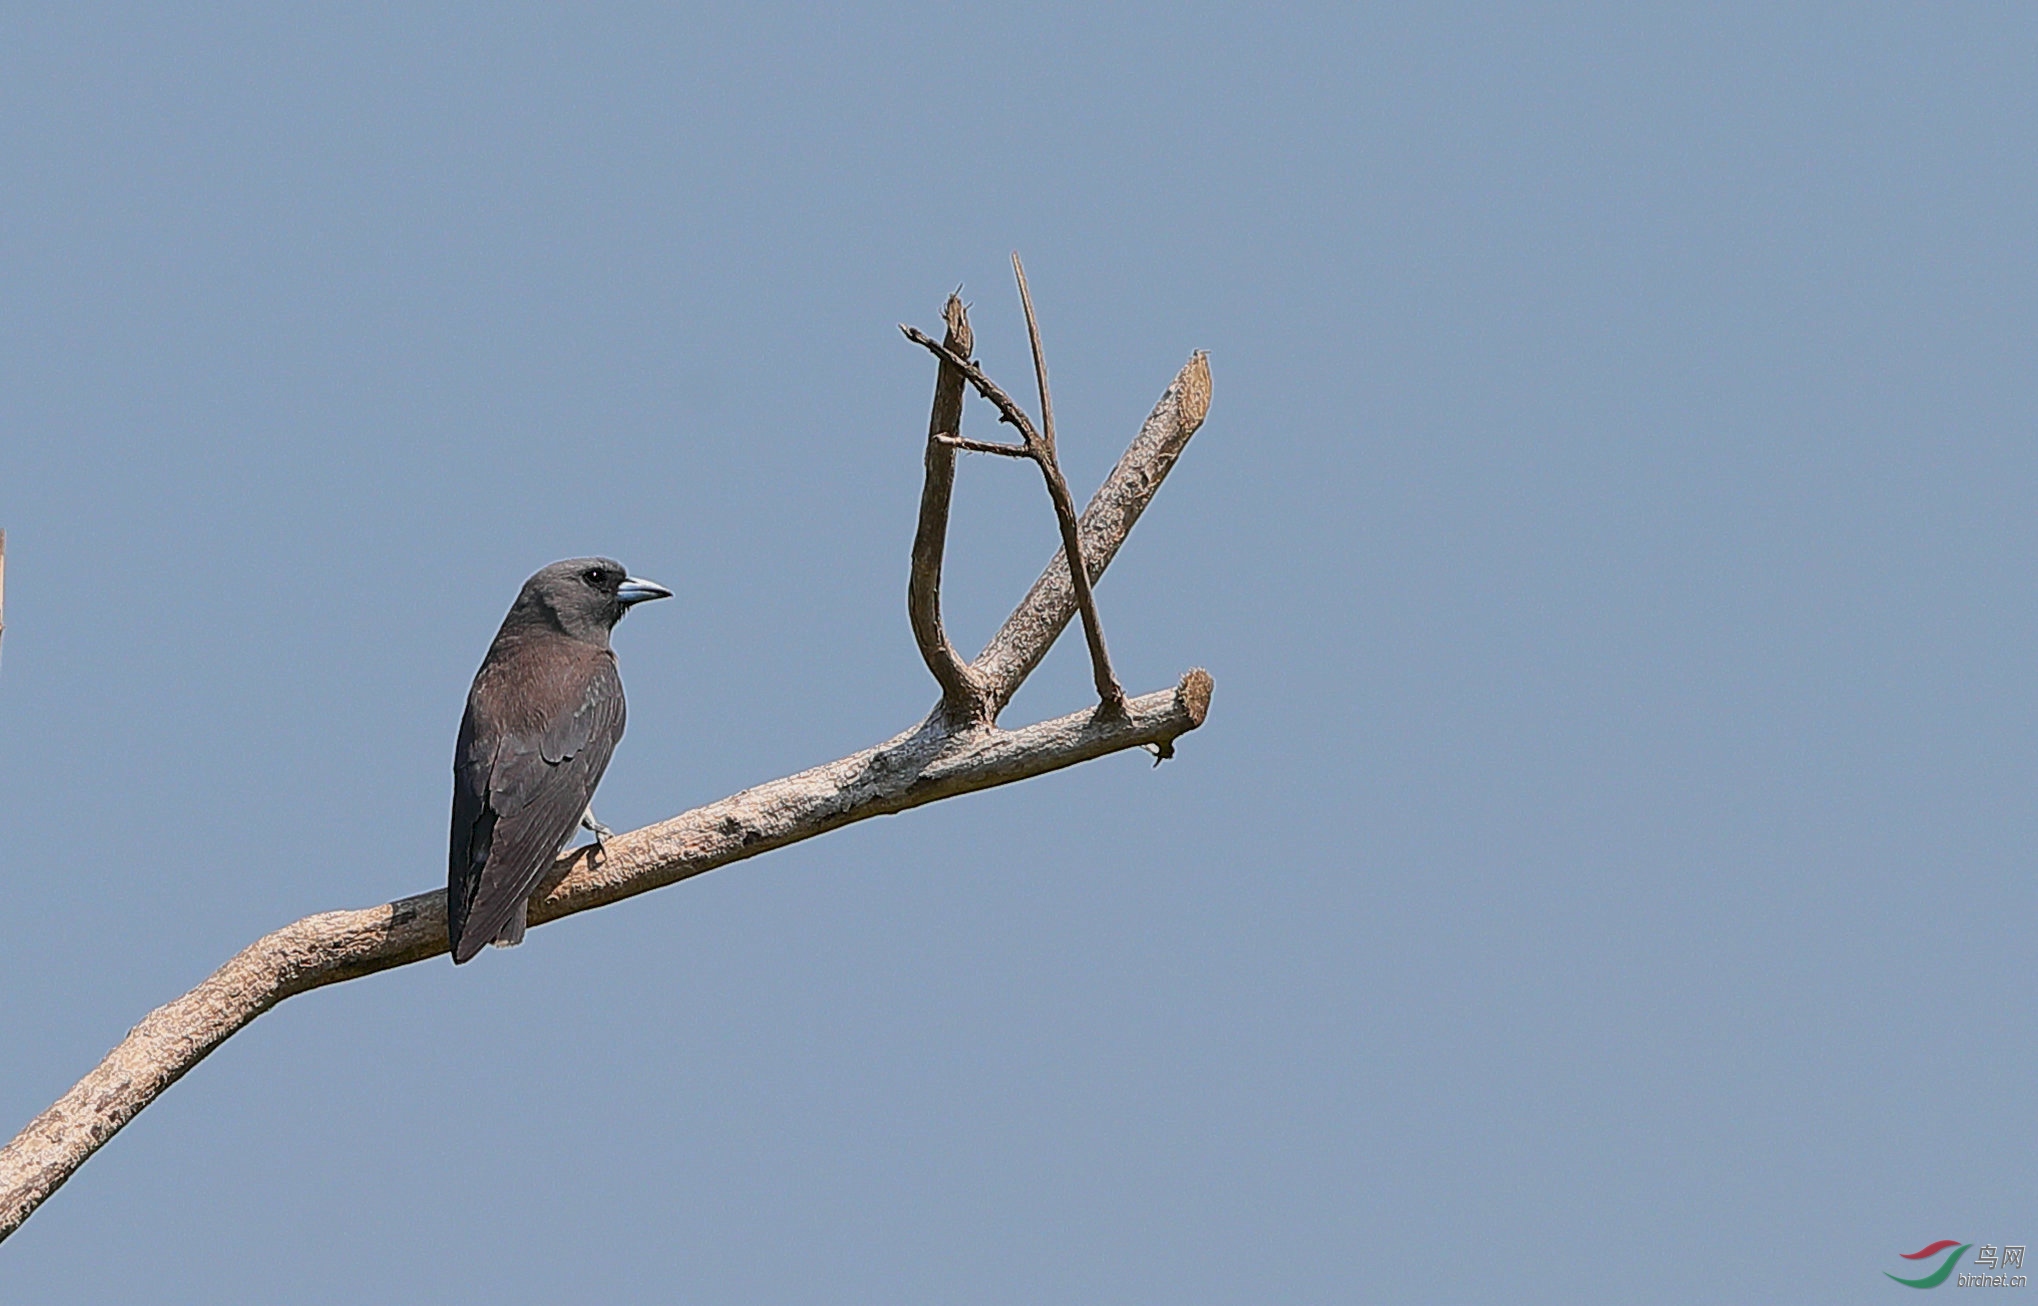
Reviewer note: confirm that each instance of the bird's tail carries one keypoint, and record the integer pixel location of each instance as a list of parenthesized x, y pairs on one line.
[(512, 931)]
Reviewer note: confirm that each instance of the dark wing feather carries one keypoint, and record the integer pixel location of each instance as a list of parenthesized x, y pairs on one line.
[(535, 785), (473, 819)]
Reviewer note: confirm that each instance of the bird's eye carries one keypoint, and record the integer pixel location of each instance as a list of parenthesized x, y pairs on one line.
[(594, 577)]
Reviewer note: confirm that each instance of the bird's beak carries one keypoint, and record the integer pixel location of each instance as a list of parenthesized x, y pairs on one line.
[(635, 590)]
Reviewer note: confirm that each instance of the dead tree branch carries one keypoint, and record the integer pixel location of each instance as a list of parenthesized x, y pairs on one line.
[(963, 701), (1112, 512), (1038, 449), (984, 446), (951, 753), (915, 768), (1109, 692), (1114, 509)]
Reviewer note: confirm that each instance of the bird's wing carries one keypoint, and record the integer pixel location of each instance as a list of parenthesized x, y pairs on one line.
[(473, 819), (538, 784)]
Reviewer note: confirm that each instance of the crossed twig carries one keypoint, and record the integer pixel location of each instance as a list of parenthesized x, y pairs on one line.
[(962, 696)]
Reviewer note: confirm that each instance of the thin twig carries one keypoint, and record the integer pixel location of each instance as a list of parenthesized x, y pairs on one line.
[(1008, 408), (985, 446), (1039, 357), (1109, 692)]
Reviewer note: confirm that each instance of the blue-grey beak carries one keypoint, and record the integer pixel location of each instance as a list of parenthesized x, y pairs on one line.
[(636, 590)]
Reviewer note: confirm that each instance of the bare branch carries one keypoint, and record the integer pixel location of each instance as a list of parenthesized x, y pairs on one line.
[(985, 446), (1044, 613), (950, 753), (1109, 692), (962, 698), (918, 767), (1039, 356), (1038, 621), (1008, 408), (1039, 445)]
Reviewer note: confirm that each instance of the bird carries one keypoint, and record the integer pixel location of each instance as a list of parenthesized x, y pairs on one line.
[(545, 712)]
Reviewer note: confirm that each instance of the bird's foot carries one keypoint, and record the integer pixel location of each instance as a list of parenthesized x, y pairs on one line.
[(592, 824)]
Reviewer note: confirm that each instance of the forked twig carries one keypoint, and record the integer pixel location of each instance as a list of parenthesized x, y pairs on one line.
[(1008, 408), (1039, 446)]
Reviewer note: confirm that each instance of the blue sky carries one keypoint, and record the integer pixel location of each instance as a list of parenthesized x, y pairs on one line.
[(1602, 870)]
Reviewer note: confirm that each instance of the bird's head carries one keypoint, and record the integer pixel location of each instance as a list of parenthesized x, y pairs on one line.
[(584, 597)]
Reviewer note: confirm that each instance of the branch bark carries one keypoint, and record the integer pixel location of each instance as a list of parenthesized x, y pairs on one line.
[(940, 758), (963, 701), (918, 767)]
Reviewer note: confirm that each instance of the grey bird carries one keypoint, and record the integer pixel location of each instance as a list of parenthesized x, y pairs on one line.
[(545, 712)]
